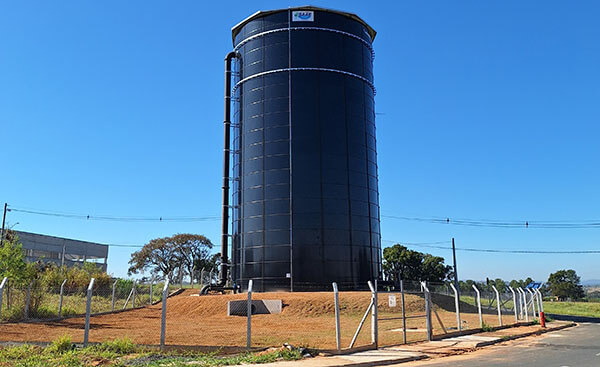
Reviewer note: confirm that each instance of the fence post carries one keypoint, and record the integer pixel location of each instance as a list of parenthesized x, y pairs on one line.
[(27, 300), (88, 309), (519, 310), (248, 314), (114, 287), (541, 300), (456, 307), (517, 302), (532, 302), (1, 294), (151, 281), (523, 304), (374, 331), (514, 303), (202, 278), (192, 277), (428, 311), (163, 319), (210, 277), (541, 308), (403, 312), (498, 304), (479, 306), (535, 298), (524, 307), (133, 291), (336, 299), (60, 300)]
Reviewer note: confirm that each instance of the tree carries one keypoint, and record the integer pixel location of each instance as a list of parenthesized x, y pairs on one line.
[(167, 254), (401, 263), (466, 286), (434, 269), (12, 261), (213, 262), (500, 285), (565, 284), (515, 283), (158, 255), (191, 248)]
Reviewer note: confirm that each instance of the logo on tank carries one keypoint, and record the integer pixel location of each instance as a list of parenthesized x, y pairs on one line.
[(303, 16)]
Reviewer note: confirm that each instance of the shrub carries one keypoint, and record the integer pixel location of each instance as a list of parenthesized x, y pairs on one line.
[(123, 287), (15, 313), (78, 277), (486, 327), (43, 312), (119, 346), (69, 311), (60, 345)]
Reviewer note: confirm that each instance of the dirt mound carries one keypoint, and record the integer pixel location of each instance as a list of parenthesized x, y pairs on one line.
[(307, 319), (307, 303), (297, 304)]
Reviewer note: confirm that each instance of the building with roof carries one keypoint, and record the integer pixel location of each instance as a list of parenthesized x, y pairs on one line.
[(62, 251)]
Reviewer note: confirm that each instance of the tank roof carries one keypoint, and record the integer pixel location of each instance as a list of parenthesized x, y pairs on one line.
[(236, 29)]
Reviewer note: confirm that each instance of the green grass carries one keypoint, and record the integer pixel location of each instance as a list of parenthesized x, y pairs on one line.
[(487, 328), (122, 352), (590, 309)]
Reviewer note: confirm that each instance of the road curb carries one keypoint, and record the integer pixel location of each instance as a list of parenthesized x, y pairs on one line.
[(514, 337), (386, 362), (537, 332), (573, 318)]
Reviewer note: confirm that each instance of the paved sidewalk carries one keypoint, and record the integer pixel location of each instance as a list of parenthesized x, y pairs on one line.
[(424, 350)]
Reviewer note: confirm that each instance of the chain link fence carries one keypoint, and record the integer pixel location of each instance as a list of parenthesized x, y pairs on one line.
[(32, 302), (346, 316)]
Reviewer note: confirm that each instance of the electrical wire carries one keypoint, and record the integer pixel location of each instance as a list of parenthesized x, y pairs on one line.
[(463, 222), (502, 251), (114, 218), (556, 224)]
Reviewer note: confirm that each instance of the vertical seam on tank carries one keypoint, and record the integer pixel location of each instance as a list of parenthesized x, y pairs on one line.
[(379, 255), (367, 161), (264, 158), (348, 178), (290, 147), (241, 198), (321, 199)]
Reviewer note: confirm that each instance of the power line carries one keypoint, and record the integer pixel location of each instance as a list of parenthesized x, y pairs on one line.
[(502, 251), (114, 218), (555, 224)]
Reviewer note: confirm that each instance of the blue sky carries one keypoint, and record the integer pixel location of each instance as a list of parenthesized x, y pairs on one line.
[(486, 110)]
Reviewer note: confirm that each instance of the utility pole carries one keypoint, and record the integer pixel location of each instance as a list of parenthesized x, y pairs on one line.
[(455, 272), (3, 221)]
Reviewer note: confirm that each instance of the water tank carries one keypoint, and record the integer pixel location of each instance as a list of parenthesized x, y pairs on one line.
[(305, 190)]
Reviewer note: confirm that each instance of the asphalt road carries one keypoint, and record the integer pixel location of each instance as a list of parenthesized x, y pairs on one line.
[(573, 347)]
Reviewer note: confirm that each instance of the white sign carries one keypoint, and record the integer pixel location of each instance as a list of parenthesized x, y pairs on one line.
[(303, 16), (288, 275), (392, 300)]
